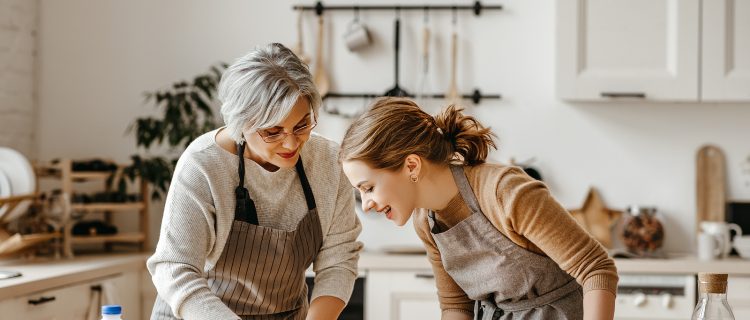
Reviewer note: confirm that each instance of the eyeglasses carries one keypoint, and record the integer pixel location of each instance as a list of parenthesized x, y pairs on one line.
[(303, 128)]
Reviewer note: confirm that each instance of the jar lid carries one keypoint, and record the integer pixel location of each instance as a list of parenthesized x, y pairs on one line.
[(712, 282), (641, 210)]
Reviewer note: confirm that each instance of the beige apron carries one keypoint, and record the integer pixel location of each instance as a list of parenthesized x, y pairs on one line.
[(261, 271), (506, 280)]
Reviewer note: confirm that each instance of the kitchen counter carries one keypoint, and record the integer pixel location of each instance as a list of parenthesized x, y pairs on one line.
[(673, 265), (45, 273)]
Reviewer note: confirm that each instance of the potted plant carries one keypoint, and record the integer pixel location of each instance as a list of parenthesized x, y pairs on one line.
[(184, 114)]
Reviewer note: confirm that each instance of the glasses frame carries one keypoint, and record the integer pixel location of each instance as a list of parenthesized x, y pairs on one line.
[(281, 136)]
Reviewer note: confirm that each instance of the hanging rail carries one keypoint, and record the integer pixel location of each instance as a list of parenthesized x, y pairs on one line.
[(477, 7)]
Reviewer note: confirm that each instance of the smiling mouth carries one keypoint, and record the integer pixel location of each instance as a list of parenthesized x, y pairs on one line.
[(387, 212), (287, 155)]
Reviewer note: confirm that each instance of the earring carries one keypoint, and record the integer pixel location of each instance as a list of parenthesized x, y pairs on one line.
[(414, 178)]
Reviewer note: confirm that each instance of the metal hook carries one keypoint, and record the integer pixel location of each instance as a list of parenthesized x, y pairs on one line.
[(356, 13), (455, 16), (426, 14)]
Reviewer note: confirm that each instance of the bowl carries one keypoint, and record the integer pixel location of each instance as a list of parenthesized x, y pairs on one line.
[(743, 250)]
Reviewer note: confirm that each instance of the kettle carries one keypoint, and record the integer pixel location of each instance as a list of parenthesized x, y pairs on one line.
[(720, 230)]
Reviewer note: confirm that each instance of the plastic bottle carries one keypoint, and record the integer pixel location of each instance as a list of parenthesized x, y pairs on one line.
[(712, 304), (112, 312)]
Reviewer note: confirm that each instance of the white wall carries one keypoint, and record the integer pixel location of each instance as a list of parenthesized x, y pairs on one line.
[(98, 57), (18, 27)]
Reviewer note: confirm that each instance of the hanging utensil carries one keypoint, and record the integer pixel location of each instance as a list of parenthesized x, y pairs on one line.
[(299, 49), (320, 77), (452, 96), (396, 91), (425, 57)]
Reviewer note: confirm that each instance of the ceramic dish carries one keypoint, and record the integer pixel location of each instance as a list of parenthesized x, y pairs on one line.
[(5, 190), (22, 179)]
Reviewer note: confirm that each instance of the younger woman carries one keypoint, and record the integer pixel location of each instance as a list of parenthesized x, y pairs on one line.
[(500, 245)]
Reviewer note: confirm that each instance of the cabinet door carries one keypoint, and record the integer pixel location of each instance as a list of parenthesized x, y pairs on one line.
[(738, 296), (643, 49), (401, 295), (726, 50)]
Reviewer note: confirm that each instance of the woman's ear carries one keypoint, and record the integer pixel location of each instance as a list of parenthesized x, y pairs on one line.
[(413, 164)]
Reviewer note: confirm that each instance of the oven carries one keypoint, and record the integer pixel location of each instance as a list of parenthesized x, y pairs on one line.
[(655, 296)]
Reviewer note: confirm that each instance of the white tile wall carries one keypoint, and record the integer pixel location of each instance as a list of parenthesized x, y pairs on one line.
[(18, 27)]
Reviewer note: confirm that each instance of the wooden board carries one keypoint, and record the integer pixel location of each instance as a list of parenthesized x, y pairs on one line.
[(710, 184), (596, 218)]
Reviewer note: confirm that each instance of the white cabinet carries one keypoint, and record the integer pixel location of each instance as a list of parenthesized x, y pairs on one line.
[(73, 302), (726, 50), (656, 50), (401, 295), (738, 296)]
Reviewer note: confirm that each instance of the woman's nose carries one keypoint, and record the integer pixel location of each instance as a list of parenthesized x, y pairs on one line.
[(291, 142), (367, 204)]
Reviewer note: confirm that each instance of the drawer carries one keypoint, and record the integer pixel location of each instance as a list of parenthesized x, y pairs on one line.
[(401, 295)]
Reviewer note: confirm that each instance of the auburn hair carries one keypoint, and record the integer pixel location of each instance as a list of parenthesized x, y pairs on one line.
[(393, 128)]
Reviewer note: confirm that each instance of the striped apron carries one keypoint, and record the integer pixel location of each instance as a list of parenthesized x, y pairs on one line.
[(505, 280), (261, 271)]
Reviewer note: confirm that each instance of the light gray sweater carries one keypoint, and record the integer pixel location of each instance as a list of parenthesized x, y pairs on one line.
[(199, 211)]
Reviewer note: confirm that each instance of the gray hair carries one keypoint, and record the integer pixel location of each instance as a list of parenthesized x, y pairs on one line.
[(260, 89)]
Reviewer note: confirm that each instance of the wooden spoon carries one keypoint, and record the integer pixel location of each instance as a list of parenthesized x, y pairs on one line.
[(320, 77), (298, 48), (452, 96)]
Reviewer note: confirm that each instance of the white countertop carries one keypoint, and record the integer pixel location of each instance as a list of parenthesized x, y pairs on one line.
[(673, 265), (46, 273)]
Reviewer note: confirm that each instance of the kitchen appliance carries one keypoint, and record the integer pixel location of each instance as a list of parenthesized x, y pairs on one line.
[(655, 296)]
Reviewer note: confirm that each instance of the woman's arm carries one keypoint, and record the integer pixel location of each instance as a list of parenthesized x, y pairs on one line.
[(325, 308), (598, 304), (335, 265), (177, 264)]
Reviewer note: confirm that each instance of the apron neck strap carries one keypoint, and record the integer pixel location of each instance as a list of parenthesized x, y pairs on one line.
[(305, 184), (465, 189)]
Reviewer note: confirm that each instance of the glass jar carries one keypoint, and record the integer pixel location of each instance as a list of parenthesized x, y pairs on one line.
[(642, 231), (712, 304)]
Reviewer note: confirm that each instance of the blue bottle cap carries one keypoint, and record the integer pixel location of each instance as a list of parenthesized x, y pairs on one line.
[(112, 309)]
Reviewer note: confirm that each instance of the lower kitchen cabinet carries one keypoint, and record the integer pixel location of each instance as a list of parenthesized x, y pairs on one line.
[(738, 296), (401, 295), (74, 301)]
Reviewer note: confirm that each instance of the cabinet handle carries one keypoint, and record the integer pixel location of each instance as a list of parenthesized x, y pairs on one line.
[(639, 95), (424, 276), (41, 300)]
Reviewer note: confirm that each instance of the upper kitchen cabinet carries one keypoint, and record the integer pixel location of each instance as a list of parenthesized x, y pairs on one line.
[(726, 50), (641, 49)]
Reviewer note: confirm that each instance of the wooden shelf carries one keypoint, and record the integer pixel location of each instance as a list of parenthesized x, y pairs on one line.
[(107, 206), (120, 237)]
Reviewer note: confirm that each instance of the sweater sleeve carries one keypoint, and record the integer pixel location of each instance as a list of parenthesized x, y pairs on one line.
[(535, 215), (336, 263), (185, 239), (452, 298)]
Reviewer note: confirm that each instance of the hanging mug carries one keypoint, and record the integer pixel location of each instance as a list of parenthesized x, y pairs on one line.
[(357, 36)]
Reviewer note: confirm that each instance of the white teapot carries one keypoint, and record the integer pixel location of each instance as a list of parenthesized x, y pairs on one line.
[(720, 230)]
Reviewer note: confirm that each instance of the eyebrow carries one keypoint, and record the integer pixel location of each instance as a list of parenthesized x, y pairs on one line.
[(298, 122)]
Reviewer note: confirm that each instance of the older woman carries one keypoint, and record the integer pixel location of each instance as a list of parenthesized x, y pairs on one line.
[(253, 204)]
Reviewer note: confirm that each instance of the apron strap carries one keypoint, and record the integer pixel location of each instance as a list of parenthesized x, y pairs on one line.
[(542, 300), (244, 209), (465, 189), (305, 184)]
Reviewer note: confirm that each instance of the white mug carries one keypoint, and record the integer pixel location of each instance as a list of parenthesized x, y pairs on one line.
[(357, 36), (721, 231), (709, 246)]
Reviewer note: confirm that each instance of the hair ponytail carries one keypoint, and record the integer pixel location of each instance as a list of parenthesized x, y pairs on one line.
[(470, 140), (394, 128)]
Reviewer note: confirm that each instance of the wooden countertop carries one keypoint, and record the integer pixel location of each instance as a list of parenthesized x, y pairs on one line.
[(46, 273)]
